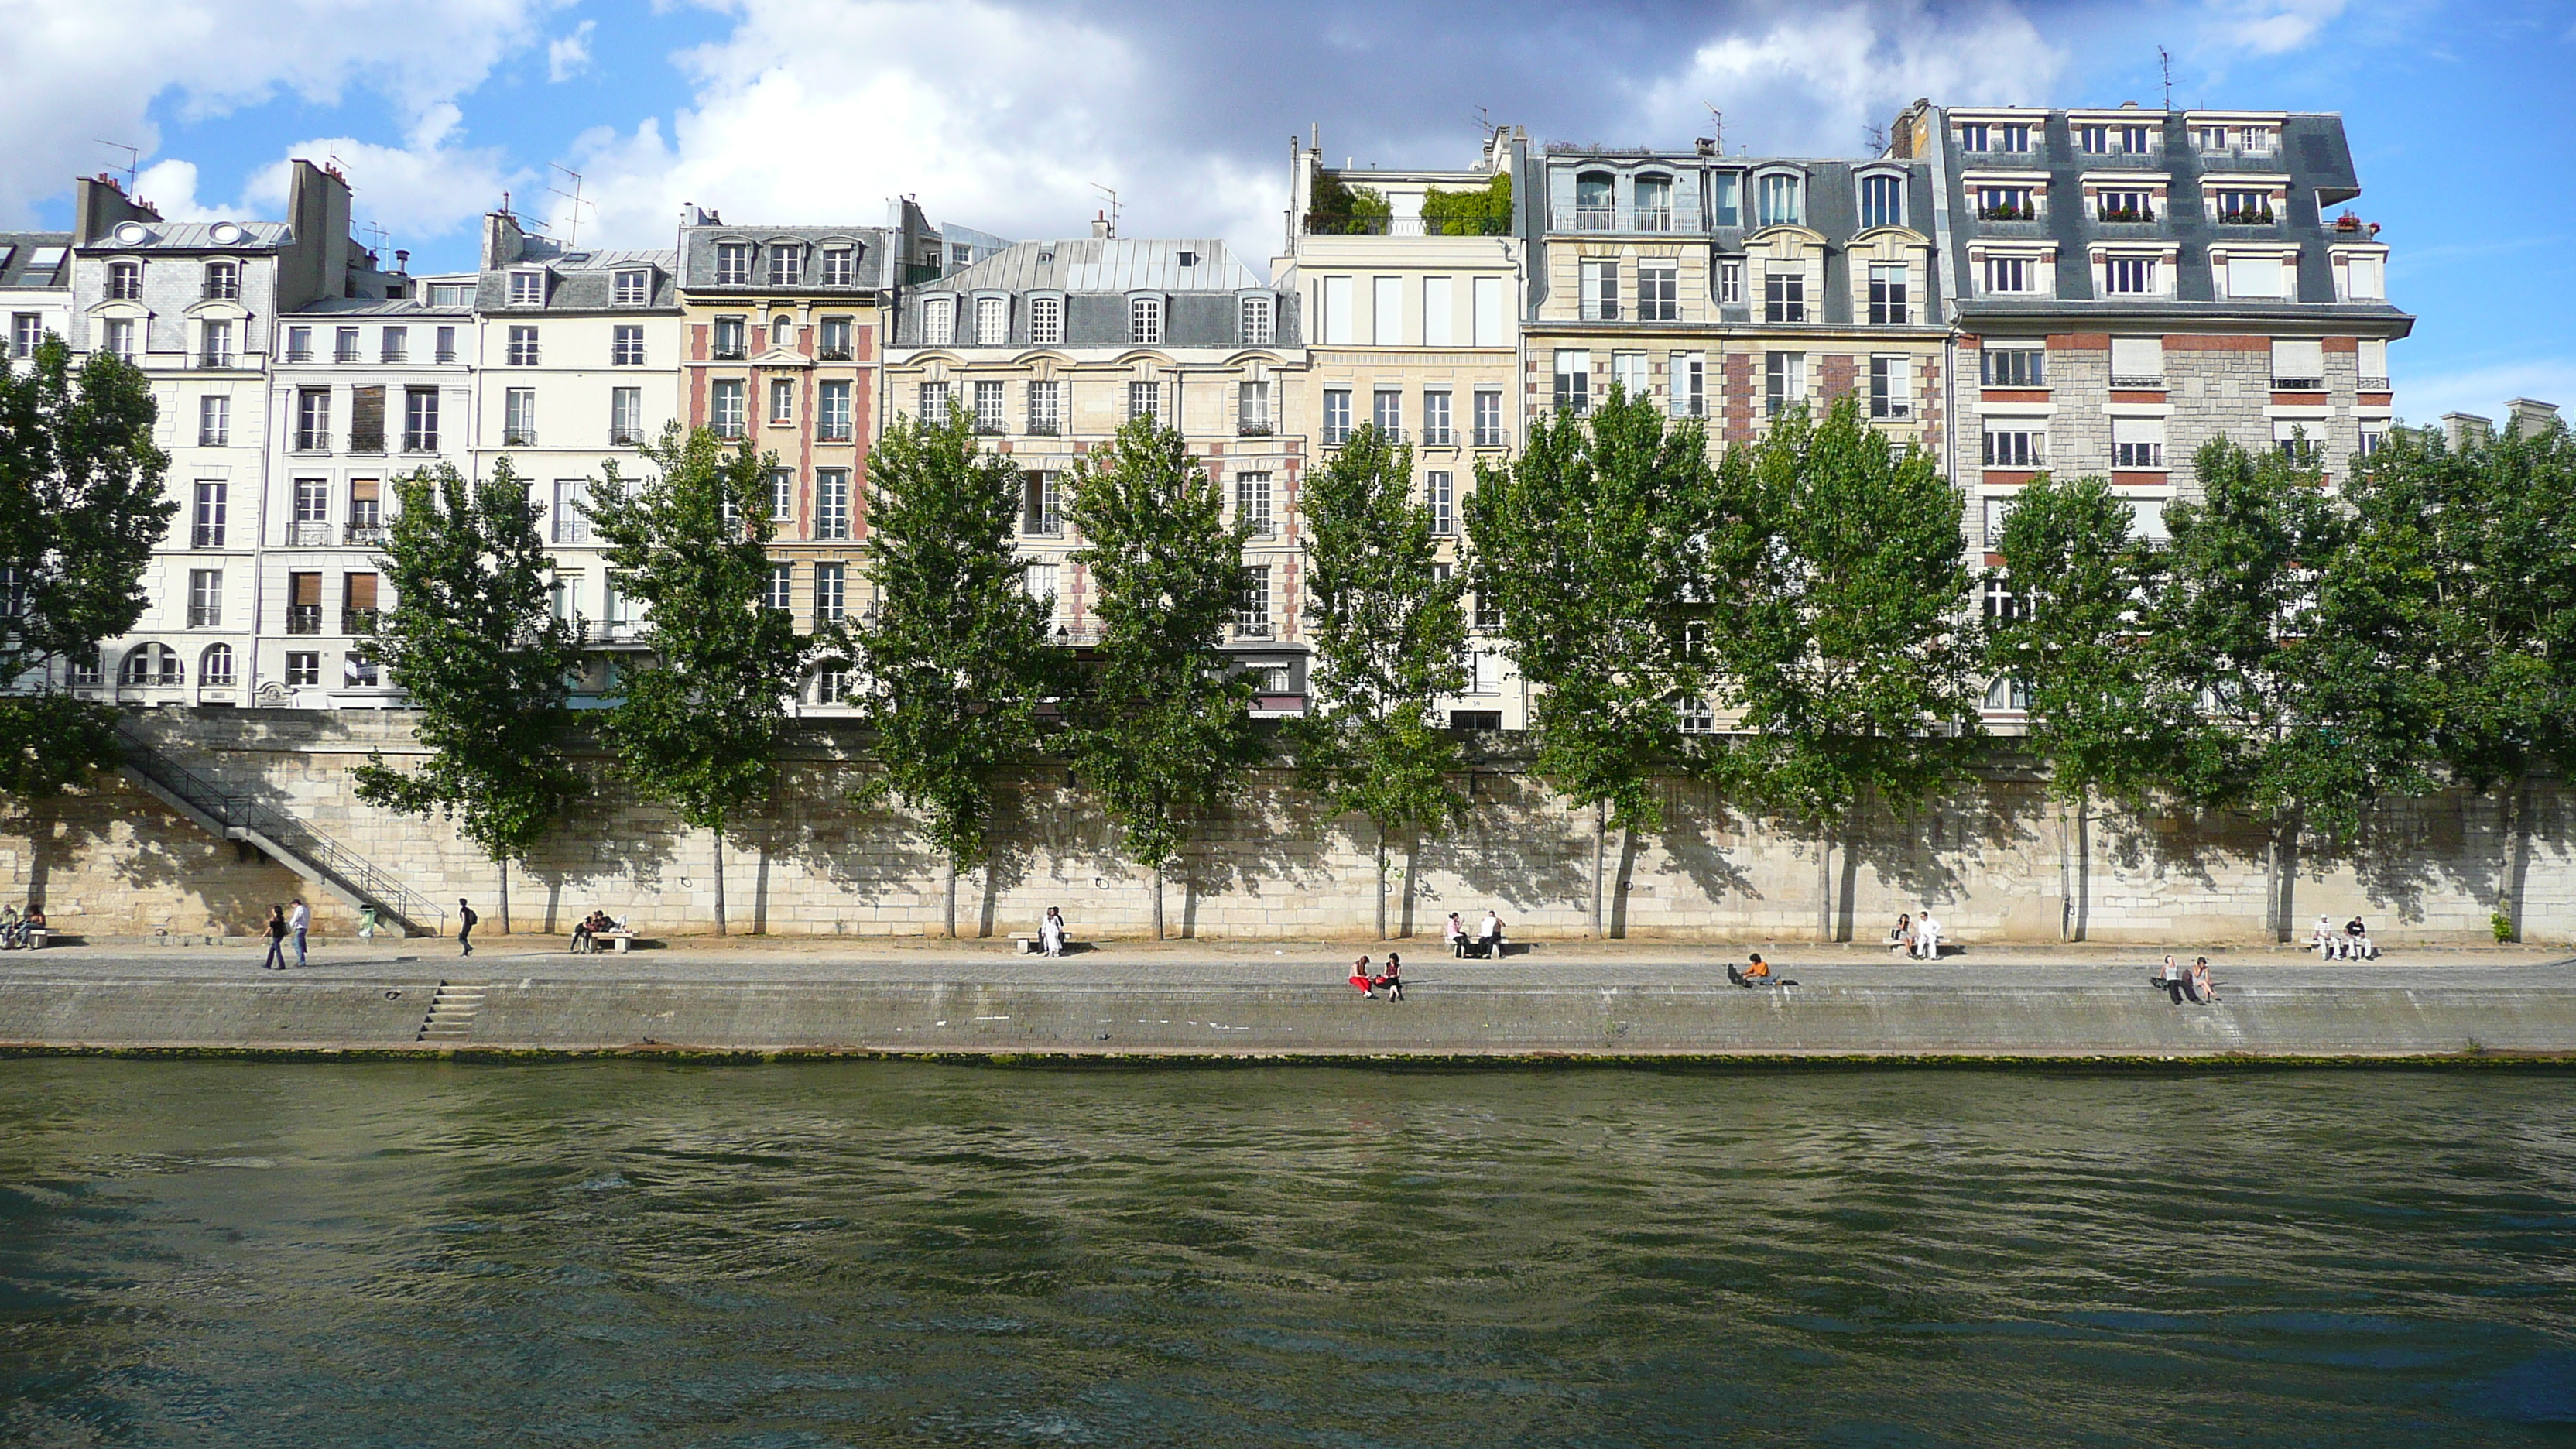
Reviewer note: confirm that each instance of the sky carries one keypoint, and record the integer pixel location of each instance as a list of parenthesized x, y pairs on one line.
[(1011, 117)]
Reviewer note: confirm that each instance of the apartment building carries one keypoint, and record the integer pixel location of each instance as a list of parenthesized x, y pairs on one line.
[(576, 365), (1415, 327), (1050, 346), (35, 289), (2134, 282), (197, 306)]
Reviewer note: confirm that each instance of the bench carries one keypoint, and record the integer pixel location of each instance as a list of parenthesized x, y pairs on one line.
[(619, 934), (1025, 943)]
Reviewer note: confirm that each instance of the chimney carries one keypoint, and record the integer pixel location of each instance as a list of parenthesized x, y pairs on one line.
[(503, 242), (1100, 224), (99, 204), (2530, 419), (2462, 431), (402, 261), (321, 250)]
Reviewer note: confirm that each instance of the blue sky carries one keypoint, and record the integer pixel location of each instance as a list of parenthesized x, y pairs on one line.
[(1007, 116)]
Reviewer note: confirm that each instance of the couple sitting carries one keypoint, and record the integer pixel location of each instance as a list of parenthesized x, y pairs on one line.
[(1487, 940), (2352, 943), (1392, 979), (1916, 937), (587, 931), (17, 931)]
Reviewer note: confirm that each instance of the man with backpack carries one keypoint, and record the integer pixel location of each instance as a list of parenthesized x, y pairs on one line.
[(465, 919)]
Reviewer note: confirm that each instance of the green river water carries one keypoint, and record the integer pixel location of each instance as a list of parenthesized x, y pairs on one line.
[(264, 1253)]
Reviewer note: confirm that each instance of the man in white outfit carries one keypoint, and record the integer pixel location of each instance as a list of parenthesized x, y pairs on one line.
[(1927, 936)]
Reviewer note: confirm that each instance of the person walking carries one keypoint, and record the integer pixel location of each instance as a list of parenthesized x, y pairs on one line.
[(276, 929), (465, 919), (298, 921)]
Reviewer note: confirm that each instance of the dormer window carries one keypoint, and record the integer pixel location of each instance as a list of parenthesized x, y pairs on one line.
[(1592, 201), (840, 268), (527, 289), (733, 264), (938, 321), (1998, 136), (2007, 203), (1780, 200), (1046, 321), (1882, 201), (786, 265), (1654, 203), (2103, 138), (125, 281), (1189, 259), (1145, 321), (223, 281), (634, 288), (2120, 204), (992, 321), (2238, 207), (1257, 322)]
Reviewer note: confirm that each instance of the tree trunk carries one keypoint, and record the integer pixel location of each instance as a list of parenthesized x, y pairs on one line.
[(1158, 902), (1600, 860), (718, 851), (2283, 849), (949, 885), (2065, 877), (1381, 880), (2516, 856), (1824, 877), (2084, 865), (504, 864)]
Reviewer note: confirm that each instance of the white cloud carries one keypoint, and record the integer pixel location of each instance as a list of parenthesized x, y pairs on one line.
[(172, 187), (569, 55), (78, 72), (2268, 27), (426, 186)]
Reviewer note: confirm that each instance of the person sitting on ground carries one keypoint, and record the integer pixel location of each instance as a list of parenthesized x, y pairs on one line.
[(1755, 972), (1361, 981), (1051, 933), (2356, 941), (1454, 935), (1392, 978), (2169, 976), (2201, 989), (1927, 936), (1489, 935), (1902, 938)]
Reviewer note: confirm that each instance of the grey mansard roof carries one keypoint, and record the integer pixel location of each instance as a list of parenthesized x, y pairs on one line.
[(582, 279), (1105, 264), (875, 245), (19, 248)]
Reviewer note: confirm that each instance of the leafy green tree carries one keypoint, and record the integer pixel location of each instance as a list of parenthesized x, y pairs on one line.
[(1486, 211), (1162, 726), (1389, 637), (80, 509), (2067, 638), (2478, 547), (1336, 208), (2291, 690), (473, 639), (1595, 547), (955, 658), (1849, 652), (699, 726)]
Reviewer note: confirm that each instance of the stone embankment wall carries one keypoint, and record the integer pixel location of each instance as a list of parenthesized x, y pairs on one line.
[(1996, 860)]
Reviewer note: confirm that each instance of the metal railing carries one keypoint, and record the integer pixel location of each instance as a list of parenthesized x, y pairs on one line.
[(369, 535), (245, 816), (314, 534), (304, 618), (1652, 219), (1404, 226)]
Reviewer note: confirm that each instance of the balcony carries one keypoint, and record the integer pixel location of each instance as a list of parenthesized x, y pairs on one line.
[(723, 352), (1652, 220), (1261, 526), (207, 535), (1253, 428), (205, 616), (304, 618), (1249, 630), (445, 354), (2124, 214), (2298, 384), (358, 621), (1336, 434), (2248, 216), (312, 442), (572, 532), (1493, 438), (2138, 382), (364, 535), (313, 534), (990, 428), (1439, 437), (2008, 212), (833, 354), (299, 354), (524, 437), (216, 361), (1393, 437), (2370, 384), (420, 442), (1041, 527), (1046, 429), (367, 442), (1402, 226)]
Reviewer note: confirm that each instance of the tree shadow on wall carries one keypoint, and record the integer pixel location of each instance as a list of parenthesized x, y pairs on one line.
[(1493, 856), (1265, 838), (1697, 825), (864, 848)]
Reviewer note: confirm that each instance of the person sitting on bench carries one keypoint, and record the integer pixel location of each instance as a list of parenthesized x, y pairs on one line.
[(1392, 978), (1489, 936), (585, 934), (2356, 941), (1454, 935), (1051, 933)]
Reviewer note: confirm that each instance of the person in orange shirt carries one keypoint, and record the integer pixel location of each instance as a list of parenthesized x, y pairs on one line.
[(1755, 972)]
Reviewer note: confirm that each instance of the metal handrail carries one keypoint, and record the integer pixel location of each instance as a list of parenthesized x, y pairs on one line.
[(247, 813)]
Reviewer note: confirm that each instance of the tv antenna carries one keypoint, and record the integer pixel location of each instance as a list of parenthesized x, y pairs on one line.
[(1875, 137), (2164, 57), (572, 217), (1111, 194), (132, 157), (1716, 127)]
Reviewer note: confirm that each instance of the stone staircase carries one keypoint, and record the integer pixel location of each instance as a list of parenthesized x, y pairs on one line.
[(452, 1011), (230, 814)]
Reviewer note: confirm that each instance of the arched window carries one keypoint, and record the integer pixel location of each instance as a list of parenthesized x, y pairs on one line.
[(782, 330), (1882, 201), (1779, 201), (151, 664), (1592, 201), (215, 666)]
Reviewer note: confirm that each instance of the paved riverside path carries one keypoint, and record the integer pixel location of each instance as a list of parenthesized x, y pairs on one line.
[(1608, 999)]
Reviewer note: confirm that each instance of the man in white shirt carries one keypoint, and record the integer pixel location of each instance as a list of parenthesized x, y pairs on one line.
[(1927, 936), (1489, 935), (297, 920)]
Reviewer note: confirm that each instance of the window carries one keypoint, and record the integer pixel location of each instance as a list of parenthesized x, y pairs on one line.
[(366, 510), (2137, 442), (633, 288), (1887, 294), (1722, 186), (1489, 420), (1252, 504), (211, 497), (2011, 276), (303, 669), (527, 289), (2015, 367), (832, 503), (781, 591), (1573, 380), (1687, 373), (312, 505), (1730, 282), (519, 417), (2129, 276), (2137, 362), (125, 281), (938, 321), (1697, 715), (1386, 311), (626, 345), (1658, 292), (2007, 203), (2125, 204), (727, 337), (1145, 321), (215, 344), (2147, 519), (215, 666), (1628, 374), (1436, 429), (988, 408), (1144, 399), (304, 603), (1337, 415), (2297, 440), (1654, 203), (2365, 279), (2011, 447), (782, 494), (835, 342), (420, 419), (1784, 296), (1333, 301), (1252, 409), (451, 294), (344, 347), (786, 265), (2374, 436), (152, 664), (992, 321), (120, 338), (85, 666), (1489, 612), (313, 420), (26, 330), (934, 404), (782, 332), (840, 267), (1592, 201), (2298, 366), (2243, 208), (2371, 358), (2254, 277), (625, 417), (1046, 321), (214, 421), (1600, 294), (2011, 136), (1891, 388), (782, 400), (1040, 504), (299, 344), (1779, 201), (832, 412), (571, 525), (1439, 495), (1972, 136), (1488, 297), (1388, 413), (1046, 408), (223, 281), (205, 598), (831, 580), (733, 264), (1784, 382), (523, 347), (1882, 201), (446, 345), (1255, 321), (1252, 604)]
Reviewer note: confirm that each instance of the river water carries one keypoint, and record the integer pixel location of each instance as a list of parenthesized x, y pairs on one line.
[(626, 1253)]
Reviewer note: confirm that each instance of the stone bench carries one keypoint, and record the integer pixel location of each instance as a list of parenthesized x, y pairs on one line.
[(1025, 943)]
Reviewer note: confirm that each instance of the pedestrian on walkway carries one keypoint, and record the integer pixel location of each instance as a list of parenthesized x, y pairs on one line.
[(465, 919), (299, 921), (276, 930)]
